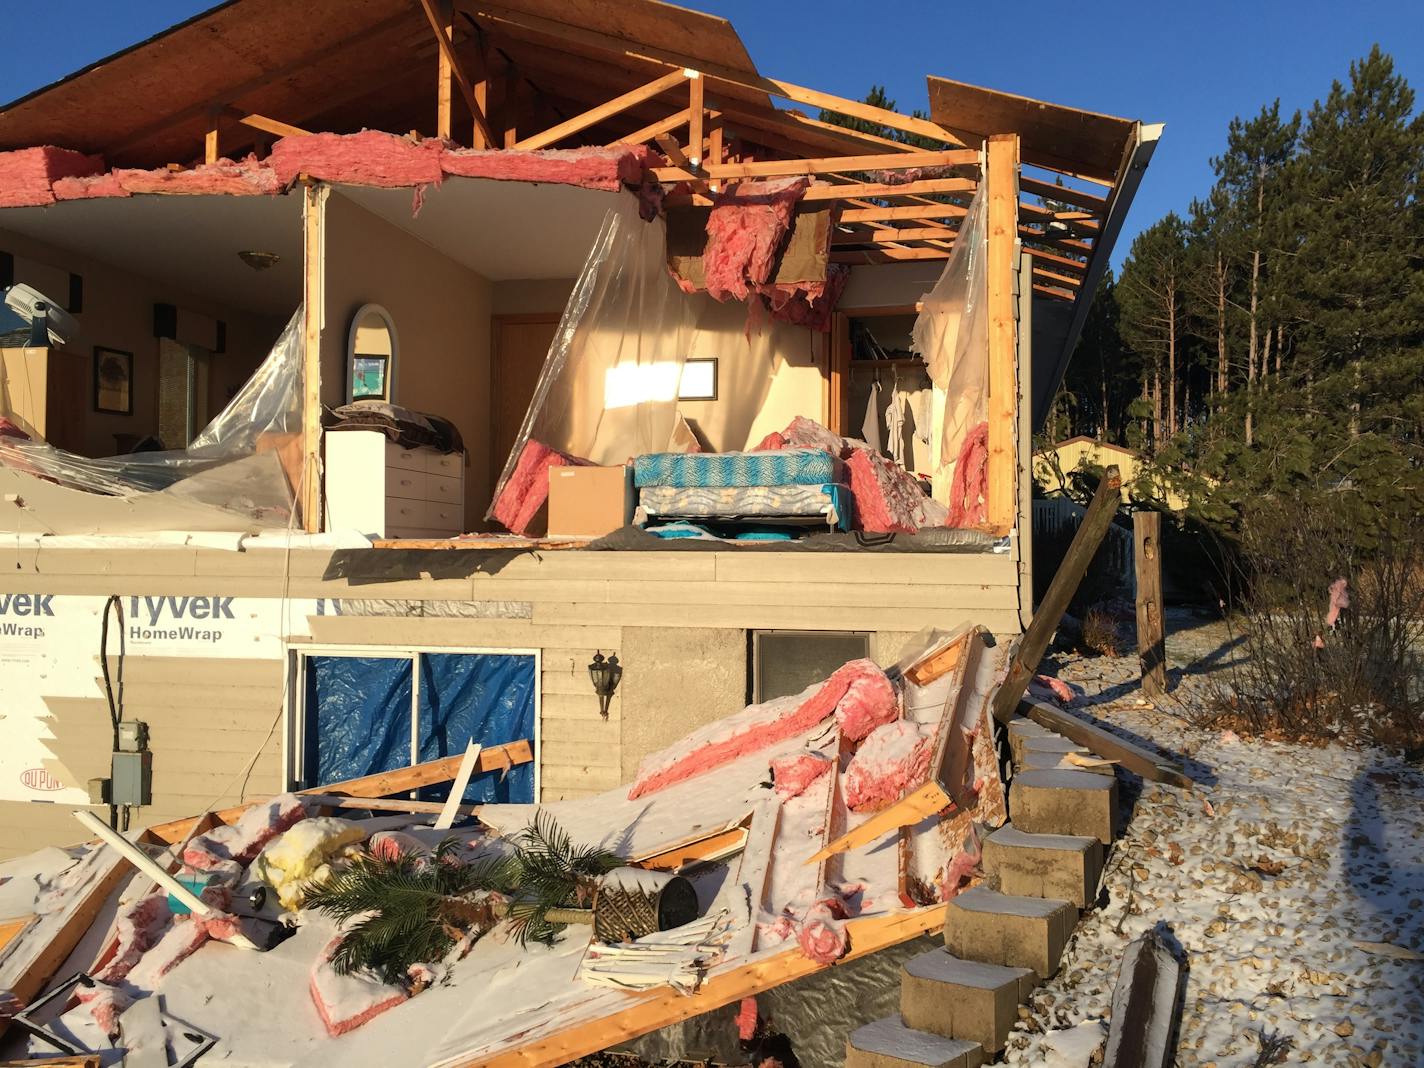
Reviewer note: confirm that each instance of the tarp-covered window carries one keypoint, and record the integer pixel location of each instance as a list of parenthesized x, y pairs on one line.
[(365, 714)]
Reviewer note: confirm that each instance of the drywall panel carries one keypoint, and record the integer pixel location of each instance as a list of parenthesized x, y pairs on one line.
[(441, 312)]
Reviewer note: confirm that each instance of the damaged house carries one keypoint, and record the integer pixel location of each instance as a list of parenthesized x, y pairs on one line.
[(526, 385)]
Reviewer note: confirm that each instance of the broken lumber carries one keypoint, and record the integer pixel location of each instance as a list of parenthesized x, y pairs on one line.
[(1028, 649), (1145, 1007), (951, 756), (1106, 744)]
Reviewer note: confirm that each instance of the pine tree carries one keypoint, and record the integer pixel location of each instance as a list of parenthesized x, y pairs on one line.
[(1152, 295)]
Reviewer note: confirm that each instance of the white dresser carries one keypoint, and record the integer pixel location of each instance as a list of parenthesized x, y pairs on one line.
[(383, 490)]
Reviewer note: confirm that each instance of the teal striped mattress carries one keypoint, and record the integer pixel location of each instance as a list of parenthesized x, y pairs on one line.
[(778, 468)]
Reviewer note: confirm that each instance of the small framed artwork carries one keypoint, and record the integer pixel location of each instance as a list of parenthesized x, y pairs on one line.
[(368, 377), (113, 381), (699, 380)]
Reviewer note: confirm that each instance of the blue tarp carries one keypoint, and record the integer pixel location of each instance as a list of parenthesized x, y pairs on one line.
[(359, 708), (358, 716), (487, 699)]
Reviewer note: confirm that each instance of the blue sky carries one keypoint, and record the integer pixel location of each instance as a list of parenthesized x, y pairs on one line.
[(1192, 64)]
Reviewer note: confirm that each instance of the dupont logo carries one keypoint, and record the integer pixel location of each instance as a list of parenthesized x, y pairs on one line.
[(40, 779)]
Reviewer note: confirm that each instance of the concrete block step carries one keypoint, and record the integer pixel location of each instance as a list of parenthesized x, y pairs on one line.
[(1049, 760), (964, 999), (1060, 866), (888, 1043), (1018, 932), (1065, 802), (1021, 731)]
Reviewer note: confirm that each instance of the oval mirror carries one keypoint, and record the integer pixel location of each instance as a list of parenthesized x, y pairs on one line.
[(371, 353)]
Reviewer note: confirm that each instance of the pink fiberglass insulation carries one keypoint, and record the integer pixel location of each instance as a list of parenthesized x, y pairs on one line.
[(960, 870), (179, 942), (869, 701), (392, 845), (608, 169), (807, 304), (895, 757), (822, 936), (345, 1002), (226, 177), (137, 930), (370, 157), (970, 484), (888, 499), (528, 486), (1060, 690), (105, 1004), (760, 726), (745, 232), (243, 840), (792, 773), (747, 1019), (28, 176)]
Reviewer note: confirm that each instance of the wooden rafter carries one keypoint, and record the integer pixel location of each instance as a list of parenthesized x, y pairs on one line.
[(456, 71), (887, 255), (727, 75), (1061, 262), (914, 211), (891, 233), (594, 116), (261, 122), (1064, 194), (1077, 221), (653, 130), (1056, 294), (1065, 280), (834, 164)]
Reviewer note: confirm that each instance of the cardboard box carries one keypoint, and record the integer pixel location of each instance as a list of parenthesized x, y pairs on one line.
[(589, 502)]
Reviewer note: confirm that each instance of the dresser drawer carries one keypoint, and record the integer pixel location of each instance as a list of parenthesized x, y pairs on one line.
[(449, 464), (404, 513), (406, 459), (444, 516), (408, 485), (444, 489)]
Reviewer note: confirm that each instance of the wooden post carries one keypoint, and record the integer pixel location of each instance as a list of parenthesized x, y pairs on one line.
[(1001, 181), (211, 149), (696, 109), (445, 85), (512, 82), (1030, 646), (479, 138), (1151, 632), (314, 302)]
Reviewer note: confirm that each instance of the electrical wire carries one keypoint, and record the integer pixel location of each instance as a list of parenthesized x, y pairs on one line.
[(115, 606)]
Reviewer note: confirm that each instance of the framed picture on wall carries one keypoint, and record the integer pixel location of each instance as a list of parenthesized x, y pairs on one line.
[(113, 381)]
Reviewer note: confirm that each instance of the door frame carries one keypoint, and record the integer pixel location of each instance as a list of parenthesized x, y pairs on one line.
[(497, 322), (297, 705)]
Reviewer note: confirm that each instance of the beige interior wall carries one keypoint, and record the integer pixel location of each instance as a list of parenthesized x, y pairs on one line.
[(118, 314), (441, 310), (768, 372)]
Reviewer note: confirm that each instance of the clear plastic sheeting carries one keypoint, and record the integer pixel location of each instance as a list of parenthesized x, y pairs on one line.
[(951, 334), (240, 473), (608, 390)]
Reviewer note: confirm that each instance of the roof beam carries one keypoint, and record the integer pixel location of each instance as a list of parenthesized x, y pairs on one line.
[(452, 61), (927, 211), (594, 116), (830, 165), (715, 71), (888, 255), (892, 234), (653, 130), (261, 122), (1062, 193)]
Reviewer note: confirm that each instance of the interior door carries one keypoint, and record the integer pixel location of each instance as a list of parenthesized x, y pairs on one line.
[(519, 346)]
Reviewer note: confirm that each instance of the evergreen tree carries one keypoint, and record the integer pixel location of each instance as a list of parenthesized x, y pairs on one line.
[(1152, 297)]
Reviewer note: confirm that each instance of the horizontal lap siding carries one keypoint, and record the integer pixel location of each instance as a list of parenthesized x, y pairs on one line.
[(211, 716)]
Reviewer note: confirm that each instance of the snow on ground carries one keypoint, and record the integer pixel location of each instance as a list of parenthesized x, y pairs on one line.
[(1294, 880)]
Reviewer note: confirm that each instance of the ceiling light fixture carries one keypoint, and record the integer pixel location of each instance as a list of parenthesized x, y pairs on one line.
[(258, 261)]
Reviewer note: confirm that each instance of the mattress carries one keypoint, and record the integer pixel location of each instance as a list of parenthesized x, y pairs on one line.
[(828, 503), (785, 467)]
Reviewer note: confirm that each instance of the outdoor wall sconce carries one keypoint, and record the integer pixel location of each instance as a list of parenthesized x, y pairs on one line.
[(605, 675)]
